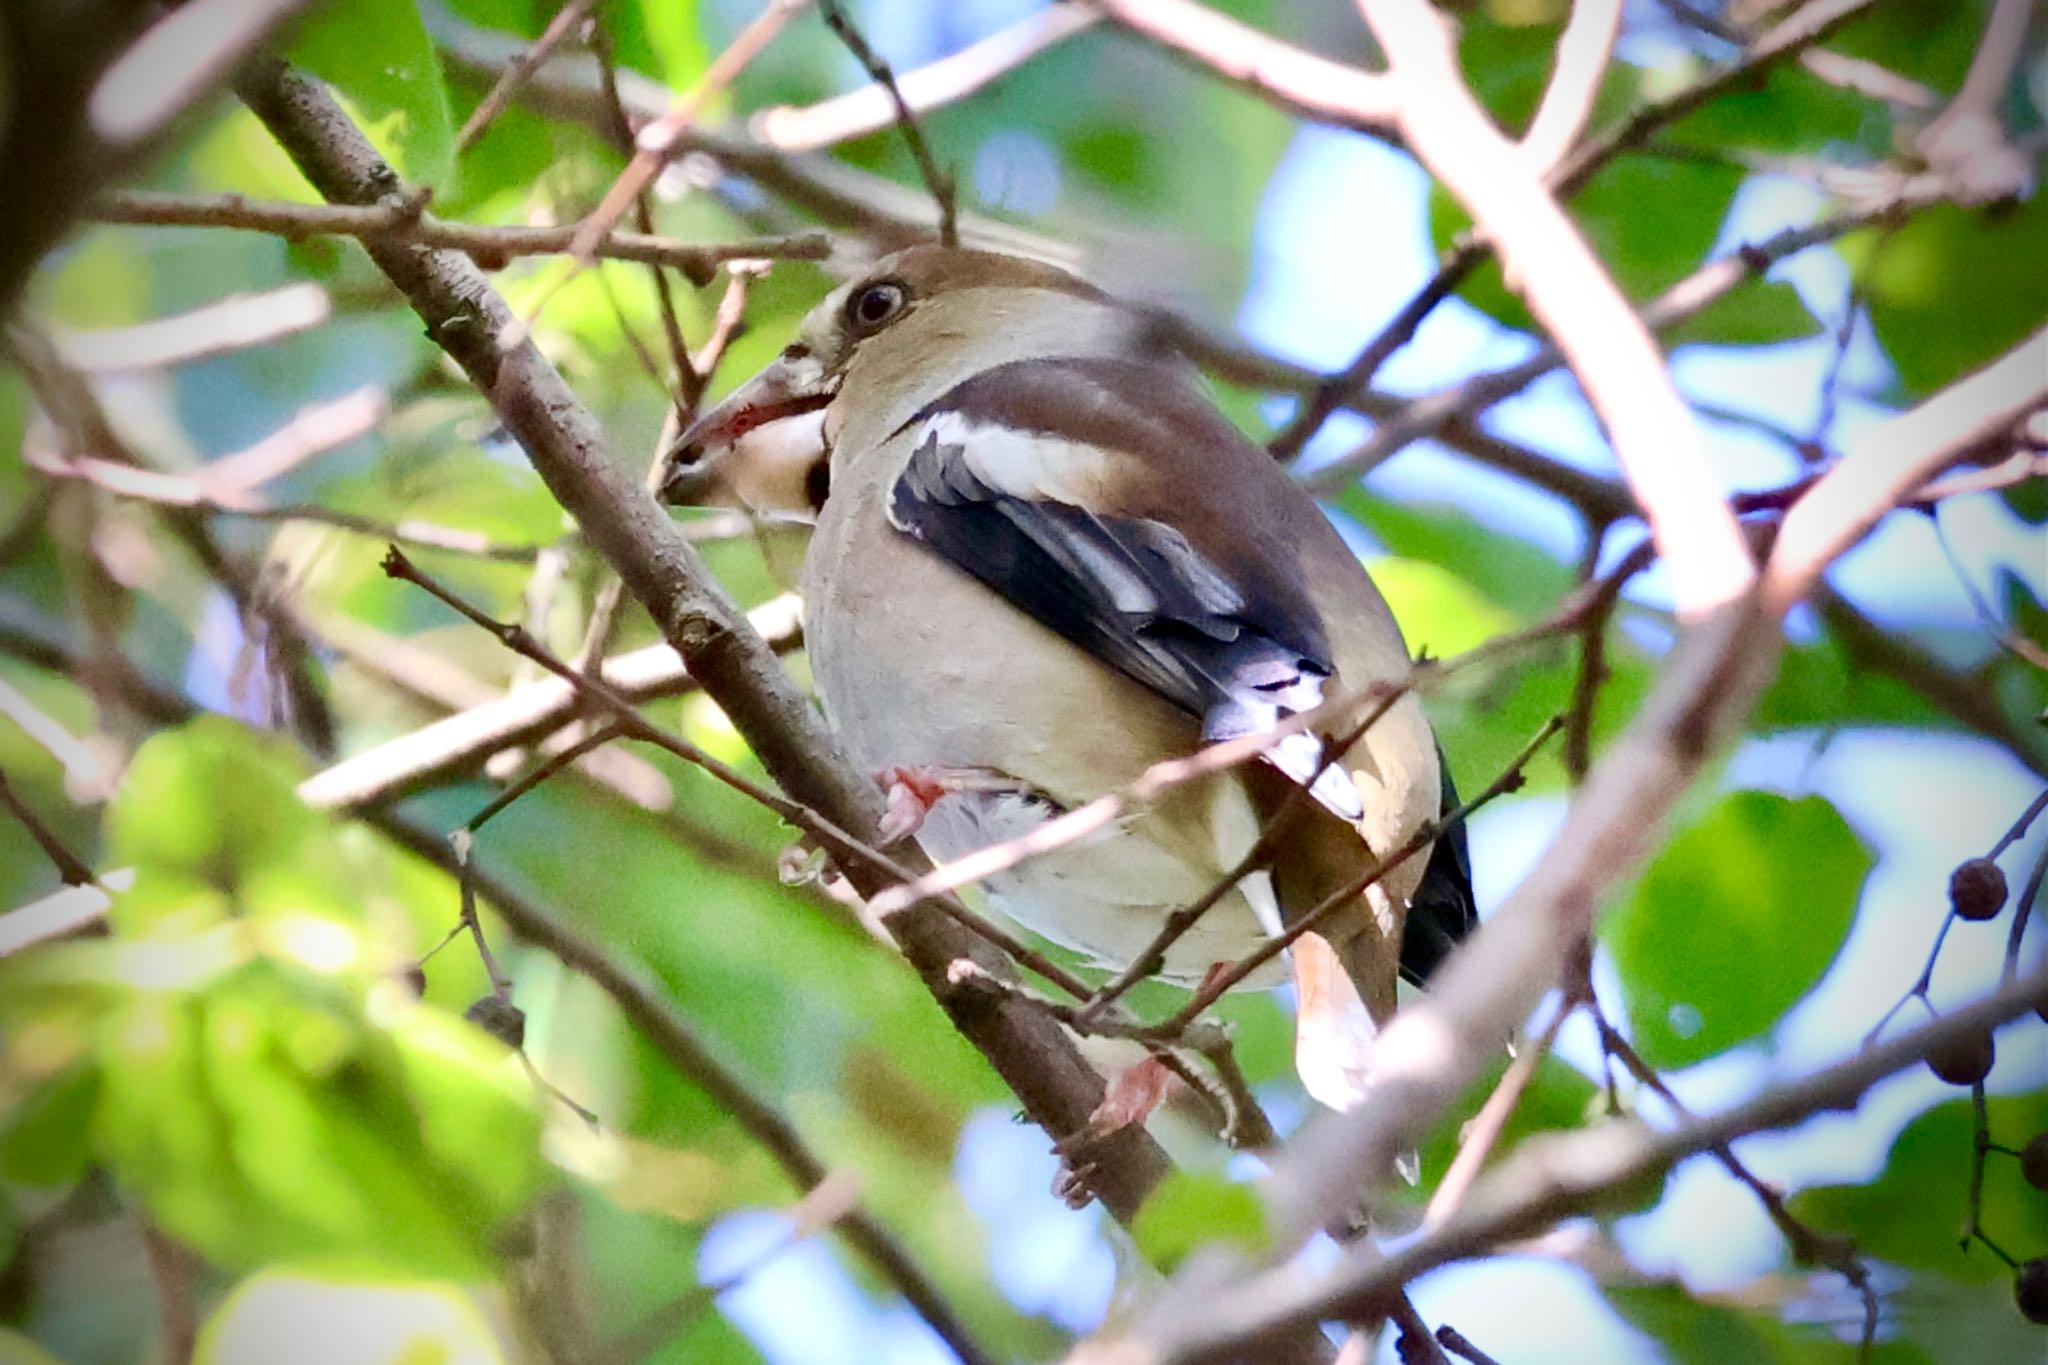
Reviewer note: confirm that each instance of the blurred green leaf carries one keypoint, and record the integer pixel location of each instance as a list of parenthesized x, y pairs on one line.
[(202, 811), (1935, 308), (268, 1117), (1786, 110), (1733, 922), (1559, 1099), (16, 1349), (1910, 1213), (1513, 573), (1698, 1331), (43, 1137), (1440, 613), (1190, 1209), (378, 55), (1929, 40), (1754, 313)]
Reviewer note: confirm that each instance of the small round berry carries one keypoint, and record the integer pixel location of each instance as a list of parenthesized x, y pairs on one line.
[(1965, 1061), (2030, 1290), (1976, 890), (2034, 1162)]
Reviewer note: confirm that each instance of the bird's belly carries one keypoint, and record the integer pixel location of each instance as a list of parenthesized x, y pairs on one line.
[(918, 664), (1106, 895)]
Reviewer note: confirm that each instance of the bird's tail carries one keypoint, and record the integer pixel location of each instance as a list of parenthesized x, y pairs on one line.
[(1333, 1029), (1333, 1034)]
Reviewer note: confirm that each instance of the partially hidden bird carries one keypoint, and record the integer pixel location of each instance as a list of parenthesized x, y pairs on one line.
[(1042, 561)]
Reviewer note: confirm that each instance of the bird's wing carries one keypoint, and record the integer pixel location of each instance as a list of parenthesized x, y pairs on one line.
[(1044, 479)]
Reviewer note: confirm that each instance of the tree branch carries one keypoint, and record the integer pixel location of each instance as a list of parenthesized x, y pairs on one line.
[(406, 221), (1583, 51), (1543, 1181), (1289, 78), (1653, 432)]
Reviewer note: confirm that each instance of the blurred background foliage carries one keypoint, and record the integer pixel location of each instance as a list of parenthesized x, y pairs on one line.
[(240, 1094)]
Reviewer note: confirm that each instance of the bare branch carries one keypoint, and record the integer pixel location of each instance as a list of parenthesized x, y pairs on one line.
[(1583, 51), (525, 715), (1811, 23), (1287, 77), (1888, 467), (231, 324), (500, 96), (972, 69), (1543, 1181), (1653, 432), (405, 222), (657, 143), (944, 192), (70, 866)]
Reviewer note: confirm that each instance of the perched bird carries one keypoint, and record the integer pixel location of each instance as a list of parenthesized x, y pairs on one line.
[(1042, 561)]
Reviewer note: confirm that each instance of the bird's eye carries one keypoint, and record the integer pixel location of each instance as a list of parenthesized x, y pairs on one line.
[(872, 305)]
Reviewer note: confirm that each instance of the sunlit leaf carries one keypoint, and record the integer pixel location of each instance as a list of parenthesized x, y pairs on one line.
[(280, 1314), (378, 55)]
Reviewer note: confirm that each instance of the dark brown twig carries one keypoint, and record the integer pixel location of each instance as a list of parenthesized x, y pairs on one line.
[(70, 866), (943, 190)]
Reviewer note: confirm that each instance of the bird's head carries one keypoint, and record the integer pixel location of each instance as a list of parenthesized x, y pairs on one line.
[(870, 356)]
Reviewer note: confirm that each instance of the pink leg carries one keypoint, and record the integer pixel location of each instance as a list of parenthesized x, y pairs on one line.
[(911, 790)]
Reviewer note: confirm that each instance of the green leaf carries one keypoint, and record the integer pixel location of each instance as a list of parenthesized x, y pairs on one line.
[(269, 1118), (1736, 920), (43, 1138), (1694, 1331), (377, 54), (1788, 110), (1513, 573), (1650, 219), (1929, 40), (1439, 612), (1191, 1209), (1753, 313), (1909, 1214), (1937, 310), (1559, 1099)]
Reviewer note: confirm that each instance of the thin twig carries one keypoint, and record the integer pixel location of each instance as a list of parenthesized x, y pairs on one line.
[(835, 839), (70, 866), (872, 108), (1584, 50), (1480, 1135), (1809, 25), (945, 193), (1510, 779), (656, 143), (405, 221), (1809, 1244), (502, 91), (648, 1008)]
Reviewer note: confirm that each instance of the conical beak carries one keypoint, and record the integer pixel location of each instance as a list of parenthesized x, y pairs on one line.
[(758, 449)]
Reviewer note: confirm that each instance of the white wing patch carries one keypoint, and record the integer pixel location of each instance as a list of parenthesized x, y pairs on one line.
[(1020, 464)]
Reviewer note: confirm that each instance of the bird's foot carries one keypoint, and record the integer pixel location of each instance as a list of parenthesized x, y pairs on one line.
[(1132, 1094), (911, 790)]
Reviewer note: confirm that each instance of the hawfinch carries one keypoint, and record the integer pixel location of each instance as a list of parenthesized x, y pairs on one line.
[(1042, 562)]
